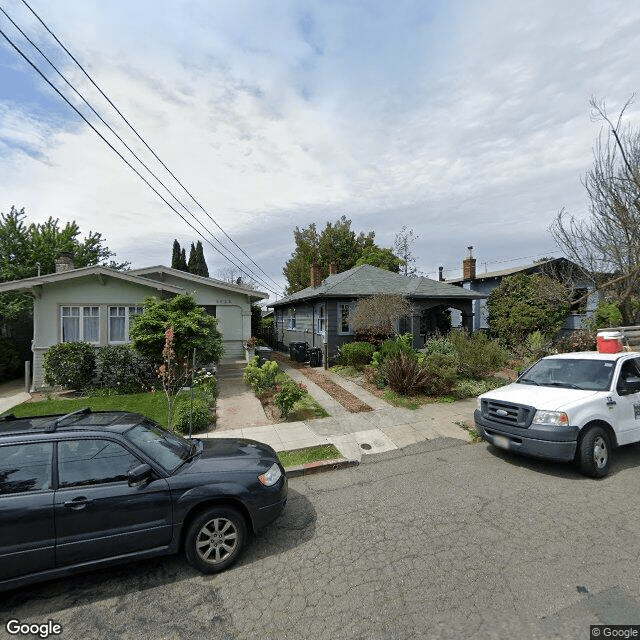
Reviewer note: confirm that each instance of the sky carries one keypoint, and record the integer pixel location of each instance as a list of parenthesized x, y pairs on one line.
[(468, 122)]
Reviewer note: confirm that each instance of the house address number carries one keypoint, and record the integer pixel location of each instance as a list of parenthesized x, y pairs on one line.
[(223, 301)]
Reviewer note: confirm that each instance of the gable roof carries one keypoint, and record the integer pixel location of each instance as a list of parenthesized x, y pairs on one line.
[(135, 276), (161, 271), (367, 280), (528, 268)]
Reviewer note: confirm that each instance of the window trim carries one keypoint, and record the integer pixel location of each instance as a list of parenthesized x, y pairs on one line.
[(127, 321), (350, 331), (321, 320), (291, 319), (80, 317)]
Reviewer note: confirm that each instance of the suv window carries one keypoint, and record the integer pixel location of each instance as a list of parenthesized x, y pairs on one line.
[(25, 467), (83, 462)]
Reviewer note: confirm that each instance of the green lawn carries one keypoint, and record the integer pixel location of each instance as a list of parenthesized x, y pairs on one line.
[(152, 405)]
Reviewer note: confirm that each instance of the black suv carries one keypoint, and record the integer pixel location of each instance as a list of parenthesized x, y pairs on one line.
[(88, 489)]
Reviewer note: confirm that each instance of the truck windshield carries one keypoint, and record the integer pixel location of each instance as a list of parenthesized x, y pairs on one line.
[(571, 373)]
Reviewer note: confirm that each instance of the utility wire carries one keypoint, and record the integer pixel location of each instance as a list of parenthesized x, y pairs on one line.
[(40, 73), (131, 151), (144, 142)]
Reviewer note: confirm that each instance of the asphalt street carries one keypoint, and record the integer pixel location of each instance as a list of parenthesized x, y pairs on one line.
[(438, 540)]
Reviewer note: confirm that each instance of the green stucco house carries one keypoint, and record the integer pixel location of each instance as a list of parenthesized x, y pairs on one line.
[(95, 304)]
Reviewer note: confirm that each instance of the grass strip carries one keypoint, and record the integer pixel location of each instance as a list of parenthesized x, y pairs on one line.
[(299, 457)]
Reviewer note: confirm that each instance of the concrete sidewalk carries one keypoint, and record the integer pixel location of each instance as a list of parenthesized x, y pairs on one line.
[(353, 434)]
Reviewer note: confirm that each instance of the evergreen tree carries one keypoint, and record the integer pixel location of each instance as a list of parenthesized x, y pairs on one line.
[(183, 261), (192, 265), (175, 256), (203, 270)]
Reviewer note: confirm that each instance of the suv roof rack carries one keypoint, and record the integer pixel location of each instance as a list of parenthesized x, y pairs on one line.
[(56, 423)]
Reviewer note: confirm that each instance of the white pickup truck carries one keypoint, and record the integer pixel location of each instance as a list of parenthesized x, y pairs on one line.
[(570, 406)]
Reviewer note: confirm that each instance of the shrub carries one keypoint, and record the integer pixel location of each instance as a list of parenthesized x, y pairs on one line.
[(477, 355), (69, 365), (578, 340), (200, 413), (122, 368), (206, 385), (404, 374), (440, 371), (523, 303), (9, 359), (288, 393), (356, 354), (607, 314), (441, 345), (375, 375), (260, 378), (394, 347)]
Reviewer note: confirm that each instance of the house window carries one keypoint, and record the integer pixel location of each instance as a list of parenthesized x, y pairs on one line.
[(291, 320), (321, 321), (80, 324), (344, 318), (120, 322)]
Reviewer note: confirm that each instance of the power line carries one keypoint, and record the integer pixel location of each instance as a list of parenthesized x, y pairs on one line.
[(144, 142), (131, 151), (40, 73)]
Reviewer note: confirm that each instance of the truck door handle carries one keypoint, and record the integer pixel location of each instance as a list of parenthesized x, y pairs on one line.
[(78, 503)]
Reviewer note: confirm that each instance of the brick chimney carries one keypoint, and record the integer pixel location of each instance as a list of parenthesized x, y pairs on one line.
[(316, 275), (469, 266), (333, 268), (64, 262)]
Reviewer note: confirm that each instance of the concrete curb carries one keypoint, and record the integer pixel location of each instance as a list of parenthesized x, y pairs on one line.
[(319, 467)]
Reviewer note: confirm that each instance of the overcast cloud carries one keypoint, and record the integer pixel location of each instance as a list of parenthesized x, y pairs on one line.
[(467, 121)]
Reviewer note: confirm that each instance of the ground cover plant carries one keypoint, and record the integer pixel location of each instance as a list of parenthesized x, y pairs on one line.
[(280, 396)]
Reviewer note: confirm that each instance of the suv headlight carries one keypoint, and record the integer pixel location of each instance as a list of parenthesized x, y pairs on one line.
[(271, 476), (556, 418)]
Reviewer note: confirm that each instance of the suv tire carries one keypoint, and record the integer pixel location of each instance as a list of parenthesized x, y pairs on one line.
[(215, 538)]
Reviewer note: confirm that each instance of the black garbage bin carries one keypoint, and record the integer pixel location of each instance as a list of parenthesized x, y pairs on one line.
[(302, 352), (264, 354), (298, 351), (315, 357)]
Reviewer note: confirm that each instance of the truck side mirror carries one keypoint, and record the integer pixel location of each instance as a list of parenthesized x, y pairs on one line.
[(629, 385)]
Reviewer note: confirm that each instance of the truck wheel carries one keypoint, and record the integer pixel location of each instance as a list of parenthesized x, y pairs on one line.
[(594, 453), (215, 539)]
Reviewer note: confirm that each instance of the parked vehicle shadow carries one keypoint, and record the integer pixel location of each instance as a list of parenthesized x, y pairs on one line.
[(627, 457), (294, 527)]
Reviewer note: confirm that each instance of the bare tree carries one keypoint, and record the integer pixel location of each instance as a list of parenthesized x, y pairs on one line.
[(378, 315), (607, 242), (402, 248), (235, 276)]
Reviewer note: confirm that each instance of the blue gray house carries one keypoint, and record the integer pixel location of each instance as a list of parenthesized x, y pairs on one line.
[(583, 293), (320, 314)]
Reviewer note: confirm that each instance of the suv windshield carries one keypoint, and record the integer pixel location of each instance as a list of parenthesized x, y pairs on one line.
[(167, 449), (571, 373)]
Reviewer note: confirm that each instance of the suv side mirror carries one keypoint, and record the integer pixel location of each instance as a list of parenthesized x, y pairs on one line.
[(139, 475)]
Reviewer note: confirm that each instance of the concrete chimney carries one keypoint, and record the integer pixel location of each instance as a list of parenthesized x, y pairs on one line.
[(469, 266), (64, 262), (316, 275)]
